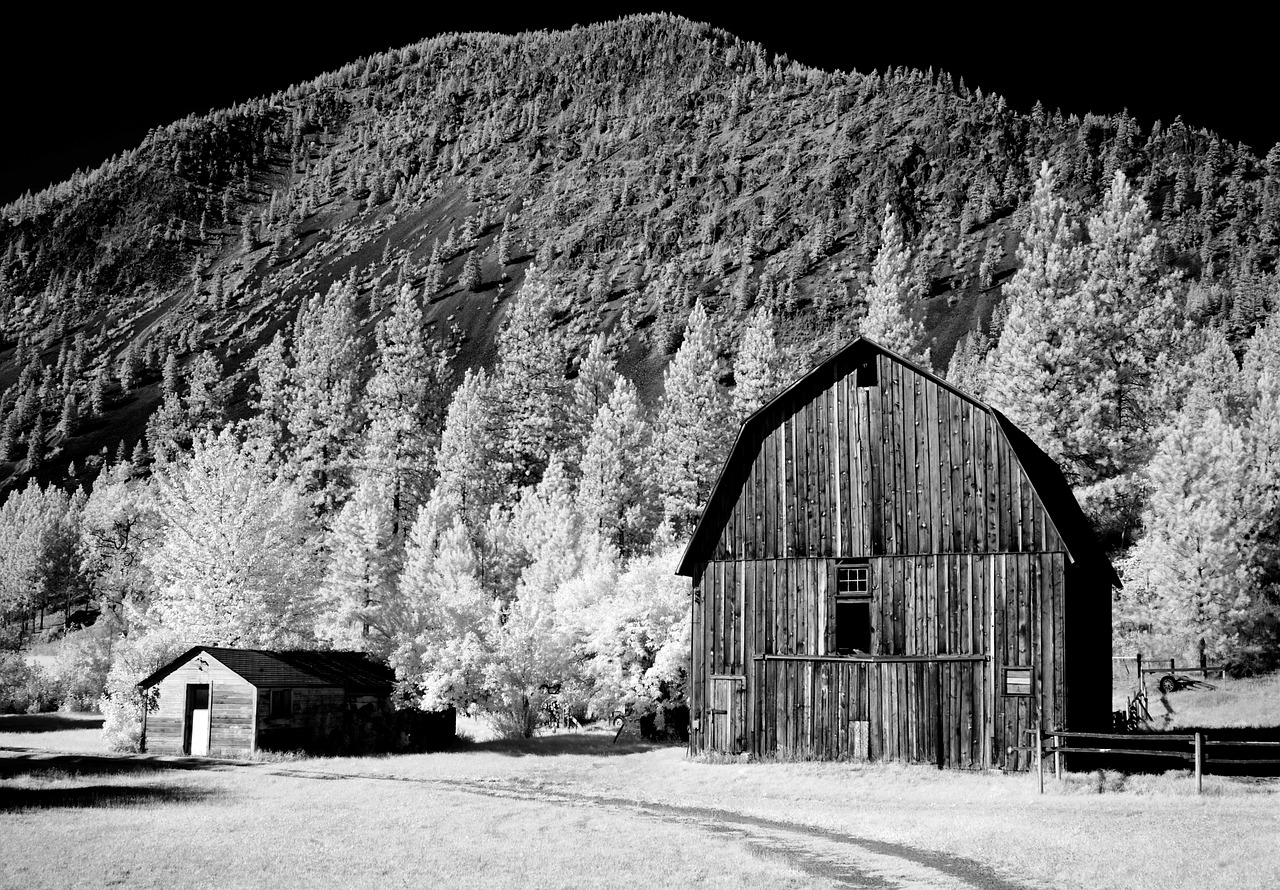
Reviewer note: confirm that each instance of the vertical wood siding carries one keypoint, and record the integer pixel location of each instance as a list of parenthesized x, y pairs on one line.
[(905, 467)]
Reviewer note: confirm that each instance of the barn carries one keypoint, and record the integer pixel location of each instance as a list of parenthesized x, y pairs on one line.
[(220, 701), (888, 569)]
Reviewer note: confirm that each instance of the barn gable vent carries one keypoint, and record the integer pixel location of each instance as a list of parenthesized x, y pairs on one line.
[(866, 375)]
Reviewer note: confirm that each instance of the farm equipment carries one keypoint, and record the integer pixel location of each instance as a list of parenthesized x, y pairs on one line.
[(1173, 683)]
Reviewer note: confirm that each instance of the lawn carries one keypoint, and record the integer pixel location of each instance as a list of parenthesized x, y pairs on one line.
[(574, 809), (1247, 702)]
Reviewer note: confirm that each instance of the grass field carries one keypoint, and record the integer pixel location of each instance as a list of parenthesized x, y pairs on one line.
[(574, 810), (1248, 702)]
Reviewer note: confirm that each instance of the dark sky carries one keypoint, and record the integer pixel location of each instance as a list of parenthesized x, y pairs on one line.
[(78, 89)]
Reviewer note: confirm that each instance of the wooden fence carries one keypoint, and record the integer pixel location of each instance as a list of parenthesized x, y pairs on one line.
[(1199, 755)]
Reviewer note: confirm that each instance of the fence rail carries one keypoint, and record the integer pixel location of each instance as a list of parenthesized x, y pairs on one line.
[(1051, 743)]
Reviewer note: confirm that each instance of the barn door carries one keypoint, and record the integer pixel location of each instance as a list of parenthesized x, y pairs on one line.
[(728, 713), (197, 722)]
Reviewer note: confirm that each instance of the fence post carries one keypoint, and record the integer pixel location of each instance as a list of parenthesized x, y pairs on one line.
[(1139, 658), (1040, 759), (1057, 758), (1199, 761), (1204, 669)]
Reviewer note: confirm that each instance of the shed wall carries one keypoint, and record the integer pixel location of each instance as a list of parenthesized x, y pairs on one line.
[(231, 710)]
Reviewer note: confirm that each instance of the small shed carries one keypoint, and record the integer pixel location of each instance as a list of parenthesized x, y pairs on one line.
[(220, 701), (888, 569)]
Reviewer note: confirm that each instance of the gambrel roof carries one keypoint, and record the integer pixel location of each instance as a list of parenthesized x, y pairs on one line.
[(352, 671), (1045, 476)]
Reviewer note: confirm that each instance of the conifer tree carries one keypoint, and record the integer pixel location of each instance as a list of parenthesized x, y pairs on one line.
[(758, 372), (466, 482), (405, 400), (691, 434), (596, 380), (615, 491), (1120, 324), (360, 575), (891, 295), (469, 277), (1024, 377), (531, 387), (324, 413), (967, 368), (36, 446)]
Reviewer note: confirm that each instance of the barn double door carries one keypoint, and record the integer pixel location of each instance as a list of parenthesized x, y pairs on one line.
[(727, 714), (912, 709)]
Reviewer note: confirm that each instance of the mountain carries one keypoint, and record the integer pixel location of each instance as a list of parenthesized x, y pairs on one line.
[(643, 163)]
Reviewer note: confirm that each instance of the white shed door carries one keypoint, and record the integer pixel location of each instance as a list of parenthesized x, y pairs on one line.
[(200, 731)]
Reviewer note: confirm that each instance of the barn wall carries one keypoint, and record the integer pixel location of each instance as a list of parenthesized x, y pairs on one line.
[(231, 710), (1007, 609), (903, 467)]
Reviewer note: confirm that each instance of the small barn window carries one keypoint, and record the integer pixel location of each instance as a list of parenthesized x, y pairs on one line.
[(853, 608), (867, 371), (1017, 681), (853, 580), (281, 702)]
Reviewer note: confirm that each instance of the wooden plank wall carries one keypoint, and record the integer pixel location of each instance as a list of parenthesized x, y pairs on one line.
[(919, 711), (904, 467), (923, 606), (231, 705)]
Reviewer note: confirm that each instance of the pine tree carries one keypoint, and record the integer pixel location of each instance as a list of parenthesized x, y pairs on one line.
[(359, 578), (98, 392), (1188, 575), (469, 277), (405, 401), (615, 491), (691, 434), (531, 385), (324, 412), (891, 295), (1024, 374), (466, 482), (967, 368), (504, 243), (70, 415), (36, 446), (758, 371), (1121, 324), (596, 380)]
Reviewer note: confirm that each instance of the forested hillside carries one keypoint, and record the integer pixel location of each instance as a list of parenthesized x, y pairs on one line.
[(475, 318)]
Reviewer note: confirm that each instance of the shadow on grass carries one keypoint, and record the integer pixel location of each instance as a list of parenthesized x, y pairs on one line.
[(38, 763), (588, 743), (48, 722), (91, 796)]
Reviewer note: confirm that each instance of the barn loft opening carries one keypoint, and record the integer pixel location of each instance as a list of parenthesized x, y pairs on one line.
[(853, 608), (866, 373)]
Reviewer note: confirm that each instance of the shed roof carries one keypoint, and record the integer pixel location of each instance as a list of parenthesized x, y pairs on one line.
[(353, 671), (1045, 475)]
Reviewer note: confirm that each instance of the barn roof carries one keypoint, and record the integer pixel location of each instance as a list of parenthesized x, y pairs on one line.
[(1045, 475), (353, 671)]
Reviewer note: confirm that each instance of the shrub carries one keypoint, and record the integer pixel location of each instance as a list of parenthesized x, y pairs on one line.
[(122, 703), (25, 688), (83, 663)]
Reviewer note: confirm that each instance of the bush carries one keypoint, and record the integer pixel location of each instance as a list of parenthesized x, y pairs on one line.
[(25, 688), (122, 704), (84, 661)]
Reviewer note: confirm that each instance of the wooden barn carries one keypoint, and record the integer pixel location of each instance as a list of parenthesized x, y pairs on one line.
[(888, 569), (225, 702)]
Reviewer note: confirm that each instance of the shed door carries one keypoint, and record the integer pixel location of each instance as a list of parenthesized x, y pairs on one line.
[(197, 722), (728, 713)]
